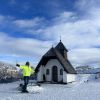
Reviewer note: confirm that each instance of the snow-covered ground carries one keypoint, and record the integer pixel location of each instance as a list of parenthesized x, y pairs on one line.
[(80, 90)]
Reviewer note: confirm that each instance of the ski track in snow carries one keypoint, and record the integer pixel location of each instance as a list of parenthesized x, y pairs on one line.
[(79, 90)]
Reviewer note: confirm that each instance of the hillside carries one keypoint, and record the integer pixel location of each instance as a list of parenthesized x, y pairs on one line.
[(87, 70), (7, 71)]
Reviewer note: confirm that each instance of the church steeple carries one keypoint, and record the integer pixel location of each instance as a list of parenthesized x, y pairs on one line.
[(62, 49), (60, 46)]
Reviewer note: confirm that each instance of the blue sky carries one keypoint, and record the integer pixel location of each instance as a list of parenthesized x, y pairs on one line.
[(28, 28), (33, 8)]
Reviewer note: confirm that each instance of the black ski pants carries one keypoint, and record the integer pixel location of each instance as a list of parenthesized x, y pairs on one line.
[(26, 81)]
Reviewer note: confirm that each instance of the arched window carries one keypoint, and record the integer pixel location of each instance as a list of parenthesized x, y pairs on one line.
[(61, 71), (47, 71)]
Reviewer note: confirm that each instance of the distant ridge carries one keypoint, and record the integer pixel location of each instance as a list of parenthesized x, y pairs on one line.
[(8, 72)]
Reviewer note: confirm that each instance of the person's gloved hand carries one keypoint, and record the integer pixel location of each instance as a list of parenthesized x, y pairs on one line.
[(18, 65)]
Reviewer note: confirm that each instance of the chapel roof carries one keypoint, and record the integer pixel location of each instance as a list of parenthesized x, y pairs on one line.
[(54, 53)]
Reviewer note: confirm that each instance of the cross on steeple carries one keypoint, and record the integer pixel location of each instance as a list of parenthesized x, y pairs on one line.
[(60, 38)]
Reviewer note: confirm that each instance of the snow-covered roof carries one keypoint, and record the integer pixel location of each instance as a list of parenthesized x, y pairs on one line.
[(54, 53)]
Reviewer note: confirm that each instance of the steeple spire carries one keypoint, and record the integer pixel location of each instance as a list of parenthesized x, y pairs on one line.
[(52, 45), (60, 38)]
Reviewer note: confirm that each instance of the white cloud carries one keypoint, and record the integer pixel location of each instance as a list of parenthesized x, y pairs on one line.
[(28, 23), (22, 47), (80, 34), (85, 4), (86, 56)]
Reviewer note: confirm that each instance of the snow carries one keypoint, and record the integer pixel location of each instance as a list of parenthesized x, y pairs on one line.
[(79, 90), (34, 89)]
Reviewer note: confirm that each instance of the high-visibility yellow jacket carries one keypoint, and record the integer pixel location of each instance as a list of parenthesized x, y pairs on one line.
[(27, 70)]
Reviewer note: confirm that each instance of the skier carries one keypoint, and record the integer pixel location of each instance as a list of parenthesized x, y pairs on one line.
[(27, 71)]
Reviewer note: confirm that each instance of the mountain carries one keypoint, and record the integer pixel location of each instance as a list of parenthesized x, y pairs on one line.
[(87, 70), (7, 71), (83, 69)]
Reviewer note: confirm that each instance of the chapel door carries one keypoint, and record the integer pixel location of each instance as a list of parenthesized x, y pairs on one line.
[(54, 74)]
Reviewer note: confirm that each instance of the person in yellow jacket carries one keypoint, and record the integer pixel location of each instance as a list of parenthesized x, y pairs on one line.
[(27, 71)]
